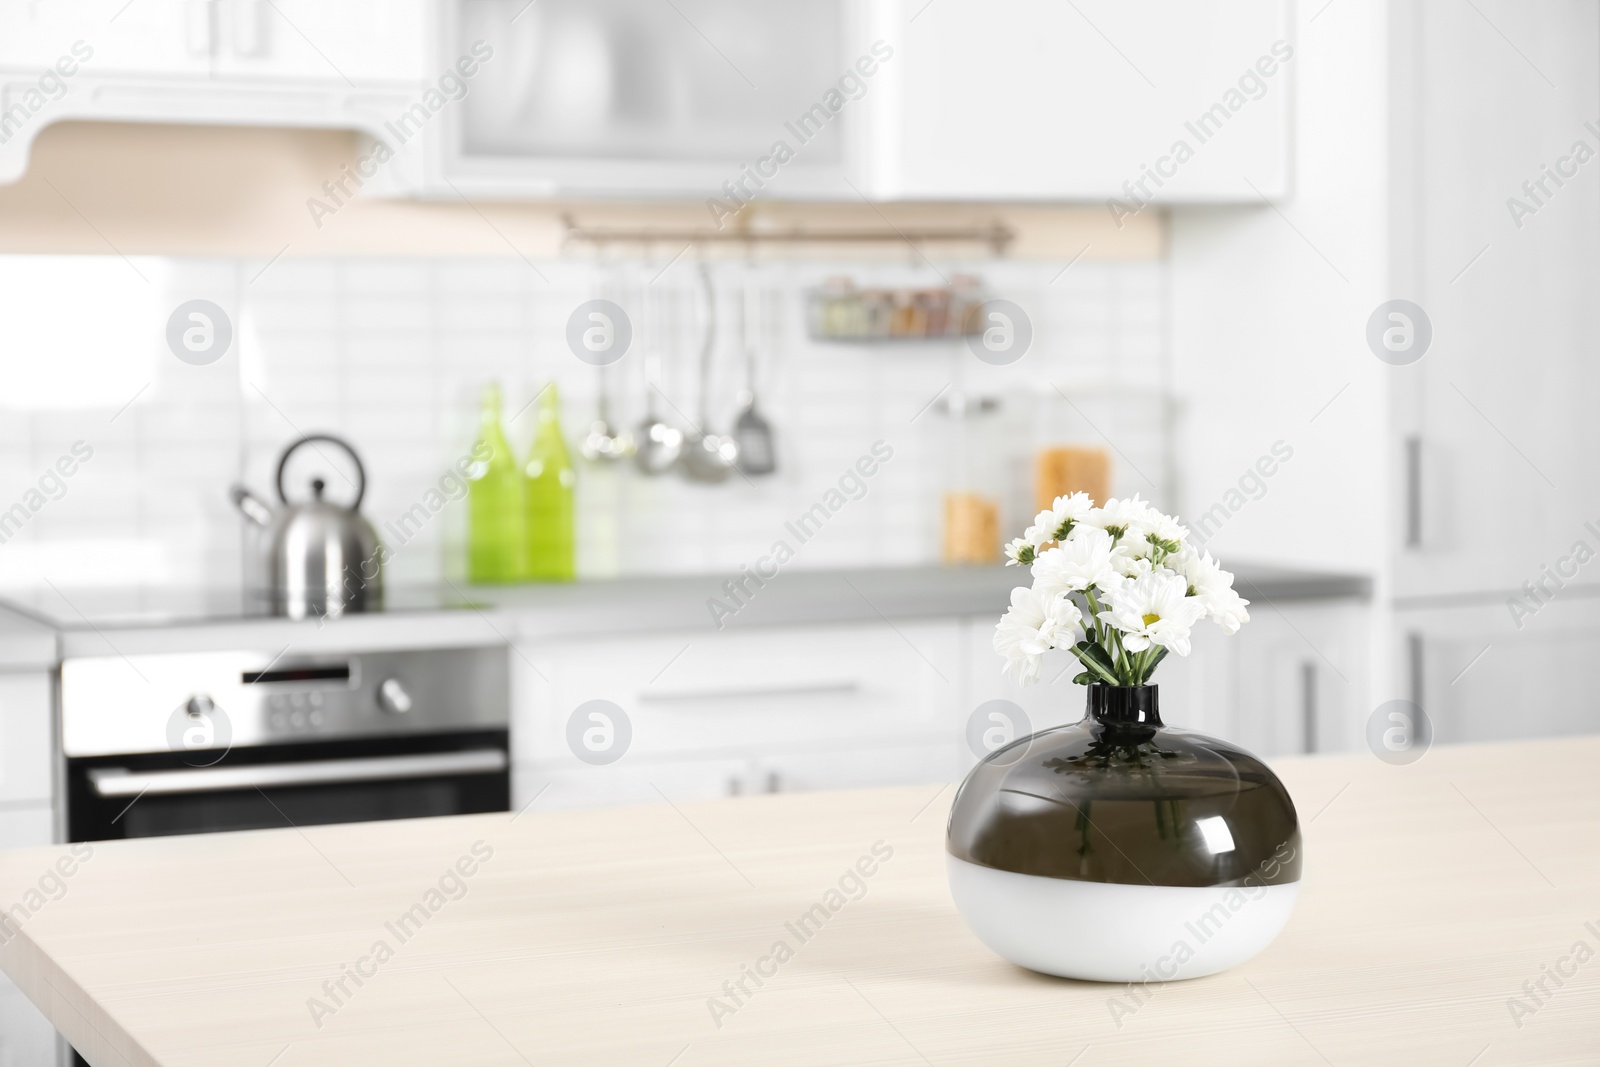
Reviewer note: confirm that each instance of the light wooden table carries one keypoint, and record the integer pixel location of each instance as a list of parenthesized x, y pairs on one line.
[(1432, 894)]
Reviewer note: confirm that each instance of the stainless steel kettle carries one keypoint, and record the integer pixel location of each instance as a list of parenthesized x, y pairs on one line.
[(323, 559)]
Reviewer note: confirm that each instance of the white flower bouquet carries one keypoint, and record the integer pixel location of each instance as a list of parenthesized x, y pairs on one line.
[(1118, 586)]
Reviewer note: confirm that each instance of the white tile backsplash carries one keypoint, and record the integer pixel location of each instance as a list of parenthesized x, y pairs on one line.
[(392, 354)]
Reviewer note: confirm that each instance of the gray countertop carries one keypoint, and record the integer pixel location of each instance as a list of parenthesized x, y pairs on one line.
[(611, 606), (800, 597)]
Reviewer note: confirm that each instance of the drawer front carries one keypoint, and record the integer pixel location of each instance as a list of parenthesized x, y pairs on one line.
[(869, 768), (747, 693), (645, 781), (628, 781)]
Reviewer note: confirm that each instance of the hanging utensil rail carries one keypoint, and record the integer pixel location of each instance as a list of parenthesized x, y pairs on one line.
[(996, 235)]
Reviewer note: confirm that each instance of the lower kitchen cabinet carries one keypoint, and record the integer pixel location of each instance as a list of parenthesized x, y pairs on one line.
[(646, 782), (26, 716), (1481, 677), (696, 715), (1294, 679), (1301, 678), (553, 784), (26, 1038), (858, 768), (25, 825)]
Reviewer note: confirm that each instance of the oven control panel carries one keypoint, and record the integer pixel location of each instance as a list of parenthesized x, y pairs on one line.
[(114, 705)]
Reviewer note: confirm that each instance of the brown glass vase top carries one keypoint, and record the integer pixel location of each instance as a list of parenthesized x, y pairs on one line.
[(1117, 797)]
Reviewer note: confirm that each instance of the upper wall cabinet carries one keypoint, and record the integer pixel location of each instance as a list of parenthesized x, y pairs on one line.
[(720, 101), (1171, 101), (693, 99), (1168, 100), (352, 42), (353, 65)]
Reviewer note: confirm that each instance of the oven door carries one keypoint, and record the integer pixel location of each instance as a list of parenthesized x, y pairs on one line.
[(158, 794)]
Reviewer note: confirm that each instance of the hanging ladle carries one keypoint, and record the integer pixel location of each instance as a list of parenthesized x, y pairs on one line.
[(708, 457), (660, 442), (751, 430)]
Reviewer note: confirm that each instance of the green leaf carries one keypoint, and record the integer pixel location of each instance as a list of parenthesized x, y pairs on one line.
[(1082, 679), (1147, 661), (1099, 663)]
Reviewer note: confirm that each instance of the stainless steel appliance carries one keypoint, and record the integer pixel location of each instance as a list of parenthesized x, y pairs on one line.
[(322, 558), (191, 743)]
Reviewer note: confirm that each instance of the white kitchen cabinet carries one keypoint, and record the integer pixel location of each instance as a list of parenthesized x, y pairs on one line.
[(1491, 443), (360, 40), (858, 768), (1495, 484), (646, 781), (643, 99), (716, 712), (353, 41), (833, 707), (561, 784), (26, 1038), (26, 718), (1051, 701), (1479, 677), (1292, 680), (24, 824), (1037, 100), (355, 65), (1300, 681), (149, 37), (889, 99)]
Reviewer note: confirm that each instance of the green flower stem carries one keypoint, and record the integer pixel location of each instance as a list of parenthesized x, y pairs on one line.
[(1094, 614), (1121, 657)]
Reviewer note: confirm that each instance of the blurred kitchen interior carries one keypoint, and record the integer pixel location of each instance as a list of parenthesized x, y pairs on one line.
[(1200, 339)]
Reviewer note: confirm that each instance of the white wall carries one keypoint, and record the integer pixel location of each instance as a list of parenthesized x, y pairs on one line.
[(393, 354)]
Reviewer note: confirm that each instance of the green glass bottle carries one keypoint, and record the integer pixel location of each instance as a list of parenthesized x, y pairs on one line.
[(547, 490), (496, 536)]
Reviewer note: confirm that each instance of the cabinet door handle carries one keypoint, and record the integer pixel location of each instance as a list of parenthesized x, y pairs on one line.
[(1308, 705), (751, 693), (1413, 492), (1417, 664), (249, 34), (199, 27), (121, 782)]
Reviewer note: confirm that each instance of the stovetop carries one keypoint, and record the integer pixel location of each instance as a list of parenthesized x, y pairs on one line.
[(68, 608)]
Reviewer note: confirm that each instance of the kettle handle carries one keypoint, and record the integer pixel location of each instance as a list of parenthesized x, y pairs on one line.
[(361, 472)]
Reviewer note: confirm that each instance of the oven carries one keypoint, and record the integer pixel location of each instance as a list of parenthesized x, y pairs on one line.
[(240, 740)]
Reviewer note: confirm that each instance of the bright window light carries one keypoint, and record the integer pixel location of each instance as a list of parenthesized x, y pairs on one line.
[(80, 331)]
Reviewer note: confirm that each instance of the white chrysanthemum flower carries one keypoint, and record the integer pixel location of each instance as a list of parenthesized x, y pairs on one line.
[(1166, 529), (1125, 519), (1062, 517), (1155, 609), (1034, 625), (1129, 563), (1021, 552), (1213, 587), (1083, 560)]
